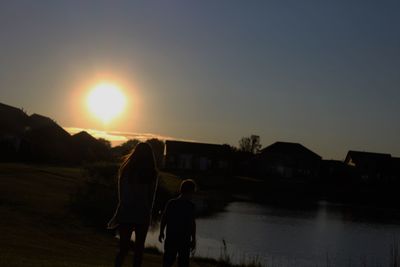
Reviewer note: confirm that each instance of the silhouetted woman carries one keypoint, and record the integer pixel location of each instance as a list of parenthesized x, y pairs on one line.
[(137, 182)]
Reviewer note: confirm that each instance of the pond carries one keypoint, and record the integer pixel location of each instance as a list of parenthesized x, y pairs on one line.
[(322, 235)]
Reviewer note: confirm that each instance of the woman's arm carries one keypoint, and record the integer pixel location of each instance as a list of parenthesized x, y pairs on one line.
[(152, 192), (113, 222), (163, 223)]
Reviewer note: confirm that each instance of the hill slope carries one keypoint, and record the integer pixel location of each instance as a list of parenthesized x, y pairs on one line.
[(37, 228)]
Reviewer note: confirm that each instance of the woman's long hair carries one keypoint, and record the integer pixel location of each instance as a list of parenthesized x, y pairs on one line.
[(139, 166)]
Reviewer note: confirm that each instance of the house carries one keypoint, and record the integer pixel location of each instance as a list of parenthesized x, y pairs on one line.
[(337, 172), (12, 127), (396, 169), (37, 138), (9, 147), (196, 157), (370, 166), (333, 168), (48, 142), (288, 160), (12, 120), (89, 149)]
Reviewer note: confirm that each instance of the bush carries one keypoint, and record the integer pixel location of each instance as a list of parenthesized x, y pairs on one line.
[(102, 172), (96, 199)]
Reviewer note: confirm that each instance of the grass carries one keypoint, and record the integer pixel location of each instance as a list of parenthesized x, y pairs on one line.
[(38, 228)]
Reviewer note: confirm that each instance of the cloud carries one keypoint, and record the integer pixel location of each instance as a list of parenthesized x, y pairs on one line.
[(116, 137)]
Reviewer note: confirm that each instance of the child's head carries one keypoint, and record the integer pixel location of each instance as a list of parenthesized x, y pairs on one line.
[(188, 187)]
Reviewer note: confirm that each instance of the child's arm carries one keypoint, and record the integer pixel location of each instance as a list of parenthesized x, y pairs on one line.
[(193, 235)]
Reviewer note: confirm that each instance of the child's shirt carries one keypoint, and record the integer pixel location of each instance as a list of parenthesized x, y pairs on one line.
[(180, 219)]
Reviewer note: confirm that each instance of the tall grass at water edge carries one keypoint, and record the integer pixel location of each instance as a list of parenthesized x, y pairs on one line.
[(226, 260)]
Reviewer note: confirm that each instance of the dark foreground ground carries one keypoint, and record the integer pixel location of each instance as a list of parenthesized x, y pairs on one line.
[(37, 227)]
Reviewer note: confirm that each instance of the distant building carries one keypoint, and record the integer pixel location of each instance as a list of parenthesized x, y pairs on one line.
[(37, 138), (288, 160), (196, 157), (89, 149), (12, 120), (396, 169), (337, 172), (333, 168), (12, 128), (370, 166), (9, 147)]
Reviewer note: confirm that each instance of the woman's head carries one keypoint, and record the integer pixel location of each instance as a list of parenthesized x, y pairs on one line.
[(139, 166)]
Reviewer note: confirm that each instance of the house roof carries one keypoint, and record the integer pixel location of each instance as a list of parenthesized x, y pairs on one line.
[(181, 147), (291, 149), (359, 157), (10, 109), (12, 120), (84, 137), (42, 124), (37, 120), (88, 147)]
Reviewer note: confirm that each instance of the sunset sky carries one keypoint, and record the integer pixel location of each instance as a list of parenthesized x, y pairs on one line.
[(322, 73)]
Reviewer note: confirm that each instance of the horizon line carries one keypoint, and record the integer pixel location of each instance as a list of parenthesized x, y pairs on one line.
[(118, 137)]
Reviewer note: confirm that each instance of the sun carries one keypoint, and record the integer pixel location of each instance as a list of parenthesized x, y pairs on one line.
[(106, 101)]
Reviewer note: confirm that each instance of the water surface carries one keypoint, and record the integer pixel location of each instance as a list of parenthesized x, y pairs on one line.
[(325, 234)]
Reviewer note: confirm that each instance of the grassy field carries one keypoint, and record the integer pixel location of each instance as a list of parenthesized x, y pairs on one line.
[(37, 227)]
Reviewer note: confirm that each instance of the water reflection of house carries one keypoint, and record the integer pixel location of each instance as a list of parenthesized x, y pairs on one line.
[(370, 166), (288, 160), (196, 157)]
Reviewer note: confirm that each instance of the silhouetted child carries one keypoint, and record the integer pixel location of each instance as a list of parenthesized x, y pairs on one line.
[(179, 218)]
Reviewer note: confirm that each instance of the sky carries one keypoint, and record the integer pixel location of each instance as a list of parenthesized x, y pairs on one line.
[(325, 74)]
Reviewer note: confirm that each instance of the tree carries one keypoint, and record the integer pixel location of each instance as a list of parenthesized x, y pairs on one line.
[(251, 144), (125, 148), (105, 142), (130, 144), (245, 144)]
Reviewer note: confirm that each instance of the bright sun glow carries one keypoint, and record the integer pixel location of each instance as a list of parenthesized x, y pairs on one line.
[(106, 102)]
